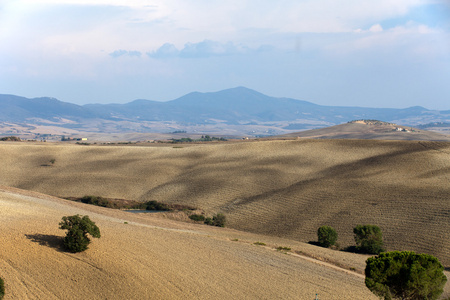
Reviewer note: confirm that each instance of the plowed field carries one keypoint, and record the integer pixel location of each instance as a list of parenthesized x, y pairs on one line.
[(278, 188)]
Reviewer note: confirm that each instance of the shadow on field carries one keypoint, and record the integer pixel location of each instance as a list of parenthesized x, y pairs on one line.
[(352, 249), (52, 241), (315, 243)]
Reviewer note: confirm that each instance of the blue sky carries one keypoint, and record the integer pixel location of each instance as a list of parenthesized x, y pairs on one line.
[(331, 52)]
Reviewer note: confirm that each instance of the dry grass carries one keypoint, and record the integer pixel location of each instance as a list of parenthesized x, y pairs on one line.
[(146, 257), (278, 189)]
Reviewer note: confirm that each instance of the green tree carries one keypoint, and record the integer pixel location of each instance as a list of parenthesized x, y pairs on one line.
[(2, 288), (369, 239), (78, 227), (326, 236), (219, 220), (405, 275), (216, 220)]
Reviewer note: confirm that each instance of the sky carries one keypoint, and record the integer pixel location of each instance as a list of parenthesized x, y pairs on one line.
[(365, 53)]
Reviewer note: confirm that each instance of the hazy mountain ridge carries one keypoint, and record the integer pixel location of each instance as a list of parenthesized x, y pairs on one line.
[(238, 107)]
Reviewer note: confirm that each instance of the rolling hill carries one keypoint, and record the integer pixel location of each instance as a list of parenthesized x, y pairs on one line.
[(276, 188), (238, 111), (370, 130), (149, 257)]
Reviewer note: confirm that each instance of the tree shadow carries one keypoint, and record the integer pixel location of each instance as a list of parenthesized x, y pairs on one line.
[(52, 241), (315, 243), (447, 269), (352, 249)]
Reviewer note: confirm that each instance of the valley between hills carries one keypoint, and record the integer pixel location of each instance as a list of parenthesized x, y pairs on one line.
[(276, 192)]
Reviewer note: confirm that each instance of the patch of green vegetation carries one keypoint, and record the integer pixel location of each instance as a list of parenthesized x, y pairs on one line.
[(10, 138), (207, 138), (405, 275), (78, 227), (98, 201), (327, 236), (155, 205), (217, 220), (182, 140), (259, 243), (204, 138), (197, 217), (2, 288), (130, 204), (280, 248), (369, 239)]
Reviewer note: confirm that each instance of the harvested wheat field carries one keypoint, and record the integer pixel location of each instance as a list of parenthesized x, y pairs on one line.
[(147, 257), (277, 188)]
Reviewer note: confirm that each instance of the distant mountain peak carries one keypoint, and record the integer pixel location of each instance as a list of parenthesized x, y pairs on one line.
[(237, 106)]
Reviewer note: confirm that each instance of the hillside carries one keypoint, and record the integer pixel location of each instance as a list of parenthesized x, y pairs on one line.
[(370, 130), (234, 112), (155, 258), (277, 188)]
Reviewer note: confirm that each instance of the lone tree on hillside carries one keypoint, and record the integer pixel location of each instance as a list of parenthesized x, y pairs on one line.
[(2, 288), (405, 275), (369, 239), (78, 227), (326, 236)]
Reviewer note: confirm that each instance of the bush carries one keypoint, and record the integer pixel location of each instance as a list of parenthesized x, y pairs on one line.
[(326, 236), (155, 205), (197, 217), (2, 288), (280, 248), (76, 239), (96, 200), (259, 243), (217, 220), (369, 239), (405, 275)]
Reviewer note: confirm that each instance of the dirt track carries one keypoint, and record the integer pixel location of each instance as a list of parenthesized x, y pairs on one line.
[(154, 258)]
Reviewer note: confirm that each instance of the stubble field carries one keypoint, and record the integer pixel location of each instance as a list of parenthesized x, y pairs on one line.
[(277, 189)]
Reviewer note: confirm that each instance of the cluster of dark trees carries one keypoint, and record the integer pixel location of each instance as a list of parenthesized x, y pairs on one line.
[(217, 220), (204, 138), (10, 138), (392, 275), (368, 238)]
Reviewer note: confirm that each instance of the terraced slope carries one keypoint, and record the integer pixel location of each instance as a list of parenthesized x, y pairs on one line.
[(277, 188)]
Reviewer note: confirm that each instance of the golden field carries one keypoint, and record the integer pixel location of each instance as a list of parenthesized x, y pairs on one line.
[(280, 191)]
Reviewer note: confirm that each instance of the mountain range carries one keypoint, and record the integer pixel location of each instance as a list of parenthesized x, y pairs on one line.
[(239, 111)]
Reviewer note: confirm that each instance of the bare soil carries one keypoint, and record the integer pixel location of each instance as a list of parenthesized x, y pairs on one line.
[(280, 191), (148, 257)]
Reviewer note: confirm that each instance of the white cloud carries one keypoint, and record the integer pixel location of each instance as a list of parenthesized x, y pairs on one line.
[(121, 52), (415, 42), (376, 28), (165, 51), (77, 39), (204, 49)]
